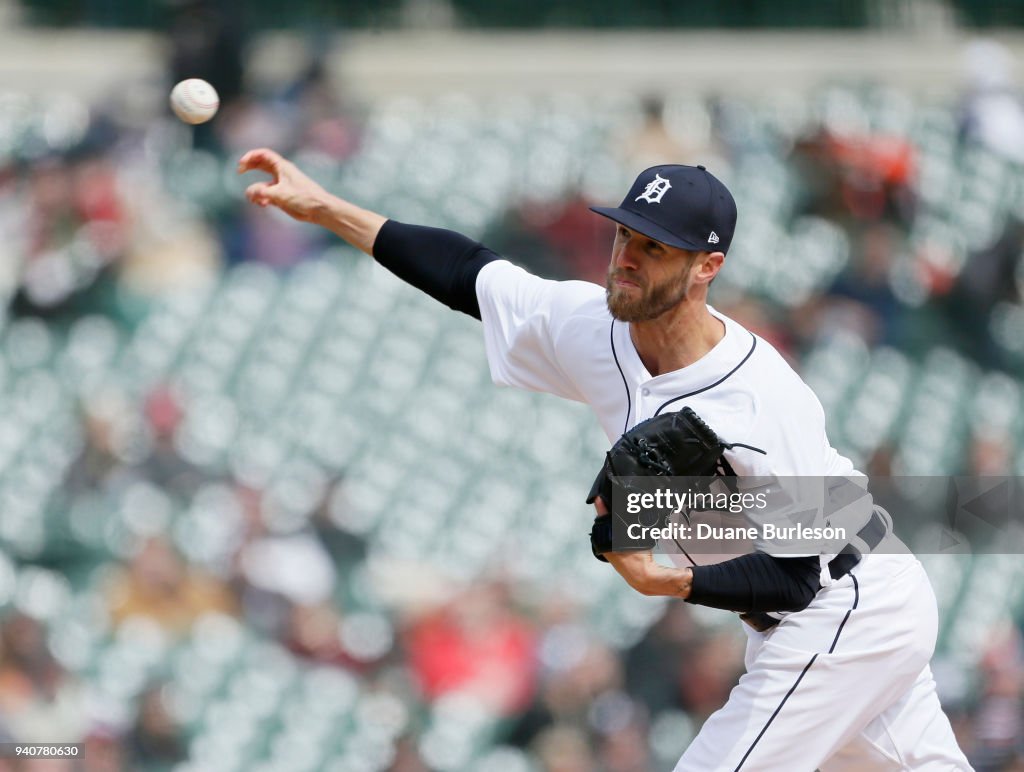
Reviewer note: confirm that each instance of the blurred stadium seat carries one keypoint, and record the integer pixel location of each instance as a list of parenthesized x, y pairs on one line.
[(259, 410)]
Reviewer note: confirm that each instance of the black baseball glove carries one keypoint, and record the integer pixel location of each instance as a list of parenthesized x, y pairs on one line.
[(668, 445)]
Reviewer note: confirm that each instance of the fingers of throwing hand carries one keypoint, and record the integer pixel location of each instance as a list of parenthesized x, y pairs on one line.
[(258, 193), (261, 159)]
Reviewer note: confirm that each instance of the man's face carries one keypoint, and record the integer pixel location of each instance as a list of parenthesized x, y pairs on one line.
[(645, 277)]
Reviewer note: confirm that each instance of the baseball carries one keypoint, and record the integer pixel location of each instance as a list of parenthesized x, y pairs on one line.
[(194, 101)]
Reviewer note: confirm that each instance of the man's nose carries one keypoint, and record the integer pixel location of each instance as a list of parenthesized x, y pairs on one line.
[(626, 257)]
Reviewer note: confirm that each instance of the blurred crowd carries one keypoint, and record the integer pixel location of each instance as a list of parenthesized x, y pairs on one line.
[(95, 226), (554, 688), (100, 210)]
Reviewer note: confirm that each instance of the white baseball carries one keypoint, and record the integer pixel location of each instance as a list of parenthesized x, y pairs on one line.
[(194, 101)]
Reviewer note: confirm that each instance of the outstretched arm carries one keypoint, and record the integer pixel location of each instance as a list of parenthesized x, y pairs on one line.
[(442, 263), (295, 194)]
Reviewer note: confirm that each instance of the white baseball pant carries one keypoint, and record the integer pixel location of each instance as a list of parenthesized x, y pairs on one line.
[(842, 686)]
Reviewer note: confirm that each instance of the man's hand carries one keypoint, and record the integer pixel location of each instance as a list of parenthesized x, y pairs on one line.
[(295, 194), (643, 574), (290, 190)]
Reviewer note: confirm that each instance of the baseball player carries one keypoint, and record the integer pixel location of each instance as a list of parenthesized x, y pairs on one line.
[(841, 681)]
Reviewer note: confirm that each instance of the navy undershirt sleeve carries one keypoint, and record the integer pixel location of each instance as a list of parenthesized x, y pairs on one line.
[(757, 582), (442, 263)]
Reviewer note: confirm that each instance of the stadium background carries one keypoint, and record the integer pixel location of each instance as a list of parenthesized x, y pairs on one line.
[(260, 507)]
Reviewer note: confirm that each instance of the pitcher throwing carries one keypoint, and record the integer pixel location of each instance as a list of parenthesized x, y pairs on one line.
[(837, 661)]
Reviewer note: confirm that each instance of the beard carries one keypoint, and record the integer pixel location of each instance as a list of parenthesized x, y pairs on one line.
[(652, 302)]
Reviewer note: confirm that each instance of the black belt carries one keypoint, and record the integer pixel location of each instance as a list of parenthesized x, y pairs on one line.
[(838, 567), (871, 534)]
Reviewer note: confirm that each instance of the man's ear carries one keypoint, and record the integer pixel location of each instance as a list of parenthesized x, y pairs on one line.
[(708, 264)]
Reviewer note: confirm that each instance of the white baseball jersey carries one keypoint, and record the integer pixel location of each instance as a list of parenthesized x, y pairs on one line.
[(843, 684)]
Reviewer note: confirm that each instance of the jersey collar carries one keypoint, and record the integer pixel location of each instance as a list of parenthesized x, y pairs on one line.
[(723, 357)]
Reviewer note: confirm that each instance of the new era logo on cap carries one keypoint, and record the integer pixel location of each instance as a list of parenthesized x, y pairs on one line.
[(697, 204)]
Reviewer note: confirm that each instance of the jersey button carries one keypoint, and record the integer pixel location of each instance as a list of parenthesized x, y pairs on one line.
[(646, 392)]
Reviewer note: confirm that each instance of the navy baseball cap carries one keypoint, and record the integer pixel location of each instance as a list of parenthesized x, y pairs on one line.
[(682, 206)]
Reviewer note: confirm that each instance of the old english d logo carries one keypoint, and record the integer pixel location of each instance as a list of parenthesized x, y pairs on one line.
[(655, 190)]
